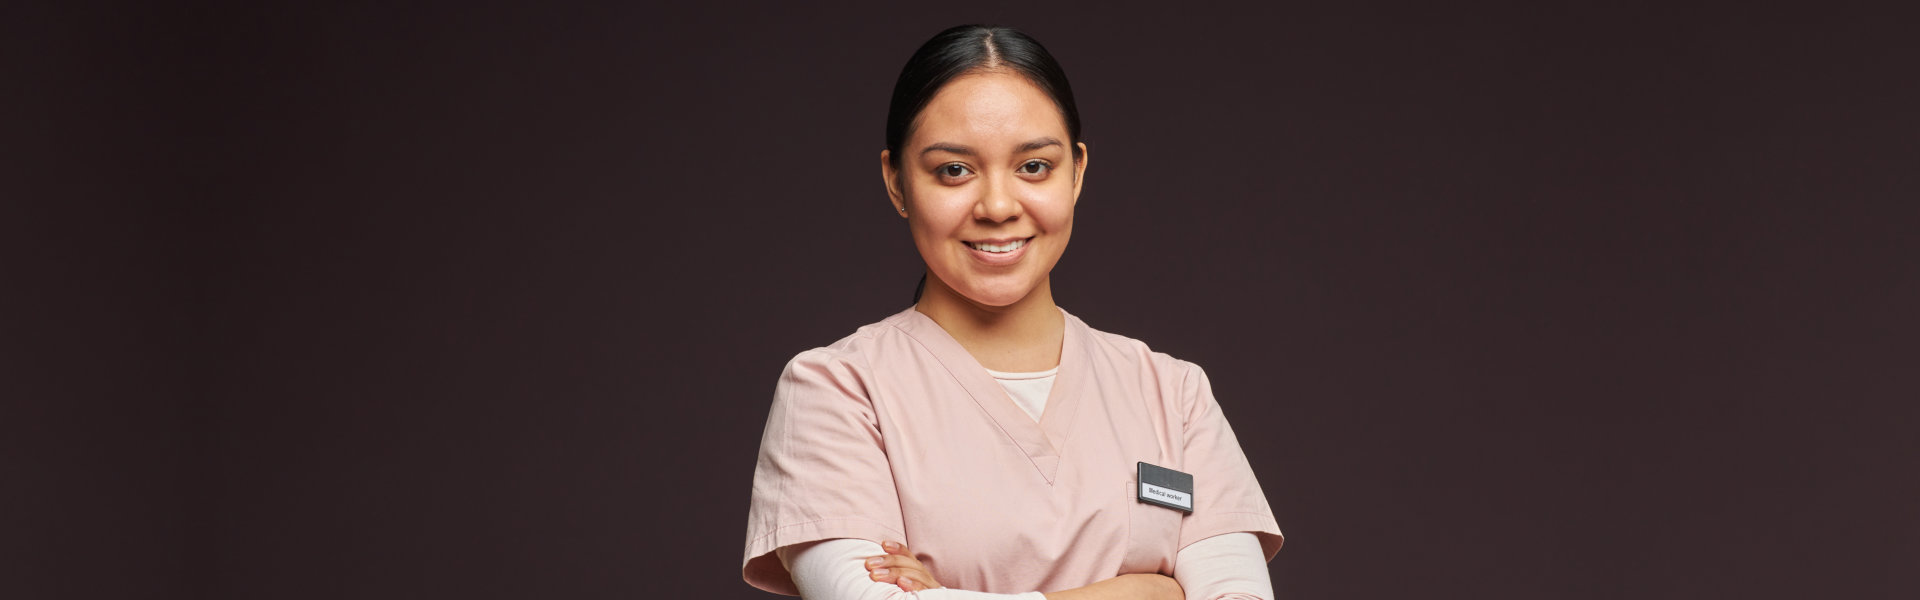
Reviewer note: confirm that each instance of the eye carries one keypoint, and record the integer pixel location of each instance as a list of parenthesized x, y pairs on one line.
[(1034, 167), (953, 171)]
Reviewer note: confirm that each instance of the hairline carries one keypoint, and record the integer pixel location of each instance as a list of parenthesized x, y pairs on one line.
[(991, 67)]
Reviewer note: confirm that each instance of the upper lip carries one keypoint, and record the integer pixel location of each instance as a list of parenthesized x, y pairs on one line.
[(1004, 240)]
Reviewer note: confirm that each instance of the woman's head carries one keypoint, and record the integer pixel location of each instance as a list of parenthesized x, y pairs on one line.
[(984, 159)]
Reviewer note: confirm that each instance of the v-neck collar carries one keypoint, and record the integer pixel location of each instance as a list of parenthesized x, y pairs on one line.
[(1042, 441)]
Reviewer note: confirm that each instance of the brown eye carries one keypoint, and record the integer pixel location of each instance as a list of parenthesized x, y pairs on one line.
[(1033, 167), (954, 170)]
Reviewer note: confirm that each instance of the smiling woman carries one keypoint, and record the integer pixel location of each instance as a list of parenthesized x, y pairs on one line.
[(973, 439), (969, 92), (987, 209)]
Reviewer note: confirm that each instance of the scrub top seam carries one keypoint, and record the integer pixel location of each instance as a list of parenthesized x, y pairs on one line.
[(788, 527), (1086, 353), (1010, 437), (786, 441), (1186, 412)]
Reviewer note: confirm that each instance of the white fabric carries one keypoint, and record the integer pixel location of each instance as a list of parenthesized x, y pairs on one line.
[(1223, 567), (1029, 390), (837, 570)]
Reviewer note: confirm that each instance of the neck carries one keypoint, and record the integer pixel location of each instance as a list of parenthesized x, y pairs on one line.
[(1019, 337)]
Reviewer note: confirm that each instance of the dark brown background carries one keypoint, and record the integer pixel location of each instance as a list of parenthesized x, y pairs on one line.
[(468, 301)]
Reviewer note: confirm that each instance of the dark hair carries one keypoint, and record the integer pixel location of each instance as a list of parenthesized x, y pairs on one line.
[(968, 48), (964, 49)]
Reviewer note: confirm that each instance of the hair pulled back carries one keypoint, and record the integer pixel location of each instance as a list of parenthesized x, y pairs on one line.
[(964, 49)]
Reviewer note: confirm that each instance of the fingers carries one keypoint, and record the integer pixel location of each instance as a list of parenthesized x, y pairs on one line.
[(900, 567), (909, 579), (911, 585), (893, 574), (893, 561)]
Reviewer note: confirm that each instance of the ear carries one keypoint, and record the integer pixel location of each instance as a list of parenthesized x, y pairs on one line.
[(1079, 171), (891, 177)]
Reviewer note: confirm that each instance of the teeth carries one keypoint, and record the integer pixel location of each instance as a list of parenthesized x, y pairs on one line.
[(998, 248)]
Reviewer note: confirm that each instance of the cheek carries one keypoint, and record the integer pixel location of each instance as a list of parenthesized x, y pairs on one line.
[(1052, 209), (936, 219)]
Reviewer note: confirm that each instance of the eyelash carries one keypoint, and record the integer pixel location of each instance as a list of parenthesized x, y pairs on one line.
[(941, 171)]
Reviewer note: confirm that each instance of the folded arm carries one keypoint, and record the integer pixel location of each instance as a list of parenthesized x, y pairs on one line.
[(836, 570), (1225, 567)]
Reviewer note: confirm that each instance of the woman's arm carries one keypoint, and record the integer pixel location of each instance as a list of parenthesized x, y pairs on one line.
[(836, 570), (1229, 566)]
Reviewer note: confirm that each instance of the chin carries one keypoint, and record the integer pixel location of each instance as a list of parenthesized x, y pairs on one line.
[(997, 295)]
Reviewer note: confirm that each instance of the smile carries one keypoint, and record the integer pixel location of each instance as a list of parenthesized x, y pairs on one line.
[(998, 248)]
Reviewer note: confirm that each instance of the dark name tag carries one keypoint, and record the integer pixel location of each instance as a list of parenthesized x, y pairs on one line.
[(1166, 487)]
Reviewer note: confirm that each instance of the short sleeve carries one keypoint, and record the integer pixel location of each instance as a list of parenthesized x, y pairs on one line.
[(822, 472), (1226, 497)]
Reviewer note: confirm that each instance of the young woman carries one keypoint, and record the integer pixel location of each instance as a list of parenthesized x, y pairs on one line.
[(1014, 448)]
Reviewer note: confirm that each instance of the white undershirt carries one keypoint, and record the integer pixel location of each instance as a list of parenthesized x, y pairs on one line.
[(1029, 390), (1224, 567)]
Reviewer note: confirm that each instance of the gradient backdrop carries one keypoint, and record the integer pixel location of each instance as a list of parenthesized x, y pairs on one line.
[(473, 301)]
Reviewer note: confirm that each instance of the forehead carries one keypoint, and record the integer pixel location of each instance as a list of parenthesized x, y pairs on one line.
[(983, 107)]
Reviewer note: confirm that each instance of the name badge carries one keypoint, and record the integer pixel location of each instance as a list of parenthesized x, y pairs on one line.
[(1166, 487)]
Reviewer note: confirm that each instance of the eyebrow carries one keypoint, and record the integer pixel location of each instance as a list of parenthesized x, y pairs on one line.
[(965, 151)]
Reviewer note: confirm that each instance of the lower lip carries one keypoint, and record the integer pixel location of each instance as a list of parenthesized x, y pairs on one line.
[(1000, 258)]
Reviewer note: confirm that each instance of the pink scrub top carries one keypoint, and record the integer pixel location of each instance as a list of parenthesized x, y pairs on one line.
[(897, 433)]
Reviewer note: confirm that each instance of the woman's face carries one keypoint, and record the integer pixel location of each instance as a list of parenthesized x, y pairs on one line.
[(988, 185)]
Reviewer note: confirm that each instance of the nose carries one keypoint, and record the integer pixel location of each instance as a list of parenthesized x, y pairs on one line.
[(998, 203)]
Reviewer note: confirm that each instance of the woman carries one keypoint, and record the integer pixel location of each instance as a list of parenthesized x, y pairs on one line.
[(1014, 448)]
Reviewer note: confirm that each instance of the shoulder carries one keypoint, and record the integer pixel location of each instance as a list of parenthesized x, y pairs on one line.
[(851, 356), (1130, 353)]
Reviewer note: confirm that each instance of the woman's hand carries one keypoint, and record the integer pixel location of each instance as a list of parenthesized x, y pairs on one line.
[(899, 567)]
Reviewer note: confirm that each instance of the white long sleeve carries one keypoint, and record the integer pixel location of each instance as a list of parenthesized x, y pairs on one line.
[(836, 570), (1224, 567)]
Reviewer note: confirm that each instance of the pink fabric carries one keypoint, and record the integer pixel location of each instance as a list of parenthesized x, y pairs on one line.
[(896, 433)]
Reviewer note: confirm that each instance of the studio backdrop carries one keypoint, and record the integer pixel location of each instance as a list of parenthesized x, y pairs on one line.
[(488, 301)]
